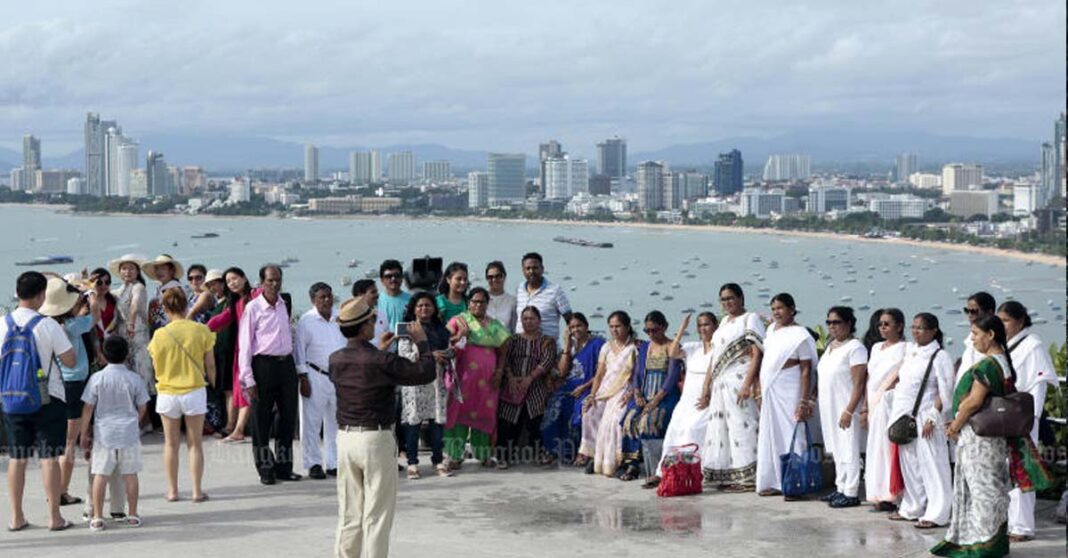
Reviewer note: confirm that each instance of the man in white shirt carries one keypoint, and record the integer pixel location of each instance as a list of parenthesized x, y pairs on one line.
[(46, 429), (318, 335), (548, 298)]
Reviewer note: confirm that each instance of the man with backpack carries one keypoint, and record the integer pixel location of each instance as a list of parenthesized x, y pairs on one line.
[(33, 396)]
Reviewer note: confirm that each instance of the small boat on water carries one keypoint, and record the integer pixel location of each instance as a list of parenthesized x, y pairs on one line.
[(583, 242), (205, 235), (47, 260), (354, 262), (346, 281)]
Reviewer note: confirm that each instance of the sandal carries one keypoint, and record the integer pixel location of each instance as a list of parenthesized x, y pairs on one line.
[(898, 517), (581, 461), (442, 470), (546, 460), (68, 500), (1021, 538), (502, 465), (926, 525), (489, 463), (769, 492), (651, 482), (133, 521), (455, 465), (201, 498), (413, 472), (24, 525), (629, 474), (737, 488), (96, 524), (66, 525)]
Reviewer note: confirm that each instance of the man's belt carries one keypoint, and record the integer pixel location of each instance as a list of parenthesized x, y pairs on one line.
[(363, 428), (317, 369)]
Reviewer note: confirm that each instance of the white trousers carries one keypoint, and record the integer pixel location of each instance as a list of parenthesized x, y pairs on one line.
[(319, 411), (1022, 504), (928, 482), (847, 477), (366, 493)]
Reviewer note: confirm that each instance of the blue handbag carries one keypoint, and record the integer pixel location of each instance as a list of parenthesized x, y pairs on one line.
[(801, 473)]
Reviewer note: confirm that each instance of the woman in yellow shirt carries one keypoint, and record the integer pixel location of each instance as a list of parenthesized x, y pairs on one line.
[(184, 362)]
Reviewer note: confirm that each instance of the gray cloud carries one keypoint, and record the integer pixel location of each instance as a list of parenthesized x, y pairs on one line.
[(504, 75)]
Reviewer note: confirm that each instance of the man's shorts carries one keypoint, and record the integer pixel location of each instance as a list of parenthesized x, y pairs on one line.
[(74, 391), (186, 404), (43, 432), (126, 461)]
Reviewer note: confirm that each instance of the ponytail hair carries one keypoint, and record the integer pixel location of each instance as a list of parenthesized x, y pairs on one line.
[(625, 318), (931, 321), (1016, 311)]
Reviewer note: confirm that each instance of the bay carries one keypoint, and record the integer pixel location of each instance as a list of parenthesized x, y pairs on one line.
[(686, 265)]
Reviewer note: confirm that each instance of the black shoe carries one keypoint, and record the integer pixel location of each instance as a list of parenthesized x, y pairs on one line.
[(288, 476), (316, 472), (843, 501), (331, 472), (268, 479), (589, 467), (830, 497)]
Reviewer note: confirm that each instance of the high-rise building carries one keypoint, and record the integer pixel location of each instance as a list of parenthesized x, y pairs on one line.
[(787, 167), (95, 154), (360, 167), (1026, 198), (728, 173), (507, 178), (477, 190), (240, 191), (53, 181), (139, 183), (565, 177), (966, 203), (650, 186), (674, 189), (76, 186), (904, 166), (17, 179), (311, 163), (129, 155), (822, 199), (193, 180), (695, 185), (600, 185), (31, 161), (1047, 178), (925, 180), (546, 151), (376, 166), (900, 206), (156, 175), (961, 176), (402, 167), (1060, 128), (437, 171), (612, 158)]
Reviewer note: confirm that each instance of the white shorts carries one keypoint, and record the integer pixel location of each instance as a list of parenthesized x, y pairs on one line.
[(186, 404), (126, 461)]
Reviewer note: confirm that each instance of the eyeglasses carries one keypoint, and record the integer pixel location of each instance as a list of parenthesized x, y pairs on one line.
[(476, 301), (651, 329), (494, 276), (389, 276), (195, 278), (834, 322), (970, 311)]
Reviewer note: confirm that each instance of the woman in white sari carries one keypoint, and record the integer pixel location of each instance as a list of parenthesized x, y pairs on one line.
[(883, 363), (1034, 375), (729, 451), (785, 390), (690, 418), (925, 460), (842, 377), (602, 433)]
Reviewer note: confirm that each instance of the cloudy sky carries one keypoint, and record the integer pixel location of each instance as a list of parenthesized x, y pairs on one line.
[(508, 74)]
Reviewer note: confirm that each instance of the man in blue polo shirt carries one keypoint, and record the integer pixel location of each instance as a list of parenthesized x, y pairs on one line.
[(539, 292)]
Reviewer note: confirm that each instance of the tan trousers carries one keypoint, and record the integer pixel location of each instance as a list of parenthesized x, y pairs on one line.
[(366, 492)]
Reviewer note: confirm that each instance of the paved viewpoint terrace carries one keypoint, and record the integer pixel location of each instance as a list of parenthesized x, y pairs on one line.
[(525, 511)]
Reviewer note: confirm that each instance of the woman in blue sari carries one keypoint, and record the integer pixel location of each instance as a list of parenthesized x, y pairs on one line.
[(654, 394), (561, 429)]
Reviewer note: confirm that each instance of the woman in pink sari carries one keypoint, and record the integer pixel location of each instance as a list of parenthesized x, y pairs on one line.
[(239, 292), (473, 410)]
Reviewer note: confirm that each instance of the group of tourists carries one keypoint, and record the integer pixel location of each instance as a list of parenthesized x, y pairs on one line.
[(483, 377)]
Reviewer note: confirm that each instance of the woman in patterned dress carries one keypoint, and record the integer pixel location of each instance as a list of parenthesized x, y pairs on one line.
[(427, 403), (529, 358)]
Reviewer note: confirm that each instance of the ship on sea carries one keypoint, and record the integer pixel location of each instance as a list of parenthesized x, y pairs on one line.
[(583, 242), (206, 235), (47, 260)]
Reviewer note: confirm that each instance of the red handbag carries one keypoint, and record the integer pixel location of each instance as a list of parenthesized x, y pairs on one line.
[(681, 472)]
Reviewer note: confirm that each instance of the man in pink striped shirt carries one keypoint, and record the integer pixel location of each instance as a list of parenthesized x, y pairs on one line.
[(269, 375)]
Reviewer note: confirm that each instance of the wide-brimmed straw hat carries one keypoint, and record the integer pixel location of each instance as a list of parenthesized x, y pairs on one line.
[(60, 297), (149, 267), (354, 311), (114, 265), (213, 275)]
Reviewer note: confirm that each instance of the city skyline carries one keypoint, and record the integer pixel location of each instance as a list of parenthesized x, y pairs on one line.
[(693, 73)]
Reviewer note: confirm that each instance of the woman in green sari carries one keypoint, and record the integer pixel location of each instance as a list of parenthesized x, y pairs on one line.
[(473, 411), (978, 527)]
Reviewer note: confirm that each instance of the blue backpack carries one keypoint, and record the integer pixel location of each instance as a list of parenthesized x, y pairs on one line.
[(20, 392)]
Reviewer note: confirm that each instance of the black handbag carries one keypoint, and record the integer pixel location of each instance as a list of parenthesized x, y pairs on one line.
[(1005, 416), (904, 430)]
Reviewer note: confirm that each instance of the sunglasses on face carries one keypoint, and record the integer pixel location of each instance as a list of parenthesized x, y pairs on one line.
[(494, 276), (391, 276), (970, 311), (834, 322), (195, 278), (885, 324)]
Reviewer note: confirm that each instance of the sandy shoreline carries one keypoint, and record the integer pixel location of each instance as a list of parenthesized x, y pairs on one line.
[(1047, 259)]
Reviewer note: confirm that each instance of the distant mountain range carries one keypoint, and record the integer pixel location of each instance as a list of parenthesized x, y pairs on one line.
[(233, 154)]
